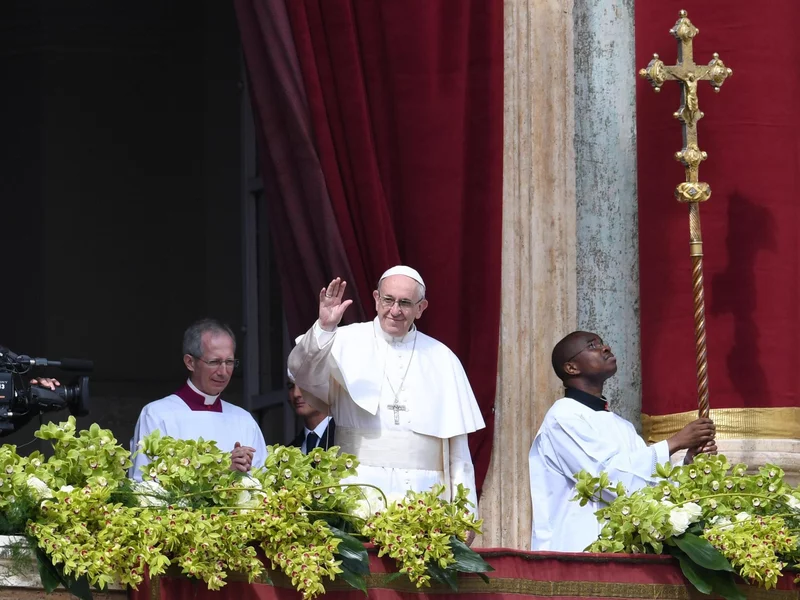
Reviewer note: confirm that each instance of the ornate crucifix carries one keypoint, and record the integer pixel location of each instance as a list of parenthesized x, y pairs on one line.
[(692, 191), (396, 407)]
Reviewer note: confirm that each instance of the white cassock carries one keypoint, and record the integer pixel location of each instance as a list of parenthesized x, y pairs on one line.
[(403, 406), (572, 438), (189, 414)]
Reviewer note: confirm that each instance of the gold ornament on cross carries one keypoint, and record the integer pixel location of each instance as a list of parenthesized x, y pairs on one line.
[(692, 191)]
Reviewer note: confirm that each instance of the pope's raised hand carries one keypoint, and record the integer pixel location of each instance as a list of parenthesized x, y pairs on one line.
[(331, 307)]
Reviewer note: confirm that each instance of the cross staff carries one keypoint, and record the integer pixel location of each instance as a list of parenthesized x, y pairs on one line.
[(692, 191)]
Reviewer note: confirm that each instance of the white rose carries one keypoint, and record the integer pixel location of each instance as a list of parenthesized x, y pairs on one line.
[(250, 483), (395, 498), (679, 519), (39, 488), (694, 510), (66, 488), (362, 510), (150, 493), (742, 516), (793, 502), (720, 521)]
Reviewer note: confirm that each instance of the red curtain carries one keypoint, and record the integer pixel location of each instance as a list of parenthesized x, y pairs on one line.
[(750, 224), (406, 105), (305, 240)]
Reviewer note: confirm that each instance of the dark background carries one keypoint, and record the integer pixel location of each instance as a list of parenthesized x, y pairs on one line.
[(121, 187)]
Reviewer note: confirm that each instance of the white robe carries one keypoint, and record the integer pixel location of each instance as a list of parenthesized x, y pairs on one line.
[(573, 437), (173, 417), (358, 371)]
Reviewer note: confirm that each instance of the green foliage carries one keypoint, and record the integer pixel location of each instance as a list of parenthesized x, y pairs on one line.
[(416, 531), (91, 526), (714, 518)]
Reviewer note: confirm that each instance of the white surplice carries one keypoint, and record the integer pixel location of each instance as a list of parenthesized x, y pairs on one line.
[(572, 438), (173, 417), (403, 406)]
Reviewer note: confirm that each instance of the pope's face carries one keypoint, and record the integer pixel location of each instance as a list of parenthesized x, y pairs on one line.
[(398, 302), (211, 379)]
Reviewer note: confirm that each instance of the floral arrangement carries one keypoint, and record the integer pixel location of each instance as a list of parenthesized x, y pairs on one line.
[(714, 518), (91, 526)]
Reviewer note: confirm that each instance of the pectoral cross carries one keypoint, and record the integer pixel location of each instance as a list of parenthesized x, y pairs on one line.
[(692, 191), (396, 407)]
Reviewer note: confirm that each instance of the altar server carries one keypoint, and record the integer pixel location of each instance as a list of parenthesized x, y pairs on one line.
[(580, 433), (196, 410)]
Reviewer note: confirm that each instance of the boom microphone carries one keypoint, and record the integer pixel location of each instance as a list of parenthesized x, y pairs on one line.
[(65, 364)]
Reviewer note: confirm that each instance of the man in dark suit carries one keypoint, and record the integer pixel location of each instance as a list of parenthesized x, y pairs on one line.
[(318, 428)]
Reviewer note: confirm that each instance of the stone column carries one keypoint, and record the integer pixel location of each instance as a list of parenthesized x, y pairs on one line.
[(538, 297), (607, 224)]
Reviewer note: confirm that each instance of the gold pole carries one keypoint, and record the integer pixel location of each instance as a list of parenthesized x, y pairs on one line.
[(692, 191)]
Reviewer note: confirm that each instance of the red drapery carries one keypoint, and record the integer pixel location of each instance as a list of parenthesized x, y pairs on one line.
[(406, 103), (750, 224)]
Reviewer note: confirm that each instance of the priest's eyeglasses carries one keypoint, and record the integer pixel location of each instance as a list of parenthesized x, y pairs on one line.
[(595, 344), (231, 363), (404, 305)]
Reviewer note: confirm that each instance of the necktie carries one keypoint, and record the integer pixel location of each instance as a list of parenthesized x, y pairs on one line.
[(311, 441)]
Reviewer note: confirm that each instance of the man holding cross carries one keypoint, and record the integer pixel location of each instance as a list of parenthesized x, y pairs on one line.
[(401, 399)]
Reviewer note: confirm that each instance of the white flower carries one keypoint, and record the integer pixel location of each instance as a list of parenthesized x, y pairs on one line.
[(682, 516), (793, 502), (742, 516), (66, 488), (720, 521), (246, 499), (39, 488), (151, 493), (694, 510), (250, 483)]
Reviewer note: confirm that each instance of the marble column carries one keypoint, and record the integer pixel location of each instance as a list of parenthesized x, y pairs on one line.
[(538, 298), (607, 225)]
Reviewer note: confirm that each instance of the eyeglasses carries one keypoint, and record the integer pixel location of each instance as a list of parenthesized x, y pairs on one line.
[(231, 363), (593, 345), (404, 305)]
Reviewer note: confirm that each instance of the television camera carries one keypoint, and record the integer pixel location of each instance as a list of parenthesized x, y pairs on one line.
[(20, 401)]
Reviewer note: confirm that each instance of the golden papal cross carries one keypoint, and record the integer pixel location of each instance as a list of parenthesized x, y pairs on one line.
[(692, 191)]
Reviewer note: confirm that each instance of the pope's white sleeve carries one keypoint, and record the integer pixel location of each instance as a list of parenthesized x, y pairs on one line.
[(145, 425), (309, 365), (461, 469), (576, 446)]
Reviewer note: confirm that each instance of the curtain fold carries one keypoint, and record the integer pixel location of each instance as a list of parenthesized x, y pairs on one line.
[(305, 238), (405, 101)]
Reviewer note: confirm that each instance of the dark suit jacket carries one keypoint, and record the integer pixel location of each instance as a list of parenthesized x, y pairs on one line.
[(326, 441)]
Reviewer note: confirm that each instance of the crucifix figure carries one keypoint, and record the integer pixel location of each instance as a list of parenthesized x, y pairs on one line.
[(396, 407), (692, 191)]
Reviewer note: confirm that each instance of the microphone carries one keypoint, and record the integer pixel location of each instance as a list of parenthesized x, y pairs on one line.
[(65, 364)]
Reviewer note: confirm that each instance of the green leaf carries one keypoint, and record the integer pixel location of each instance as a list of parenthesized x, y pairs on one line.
[(355, 580), (47, 572), (448, 576), (392, 576), (702, 553), (52, 577), (723, 584), (351, 552), (467, 560), (707, 581), (694, 573)]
